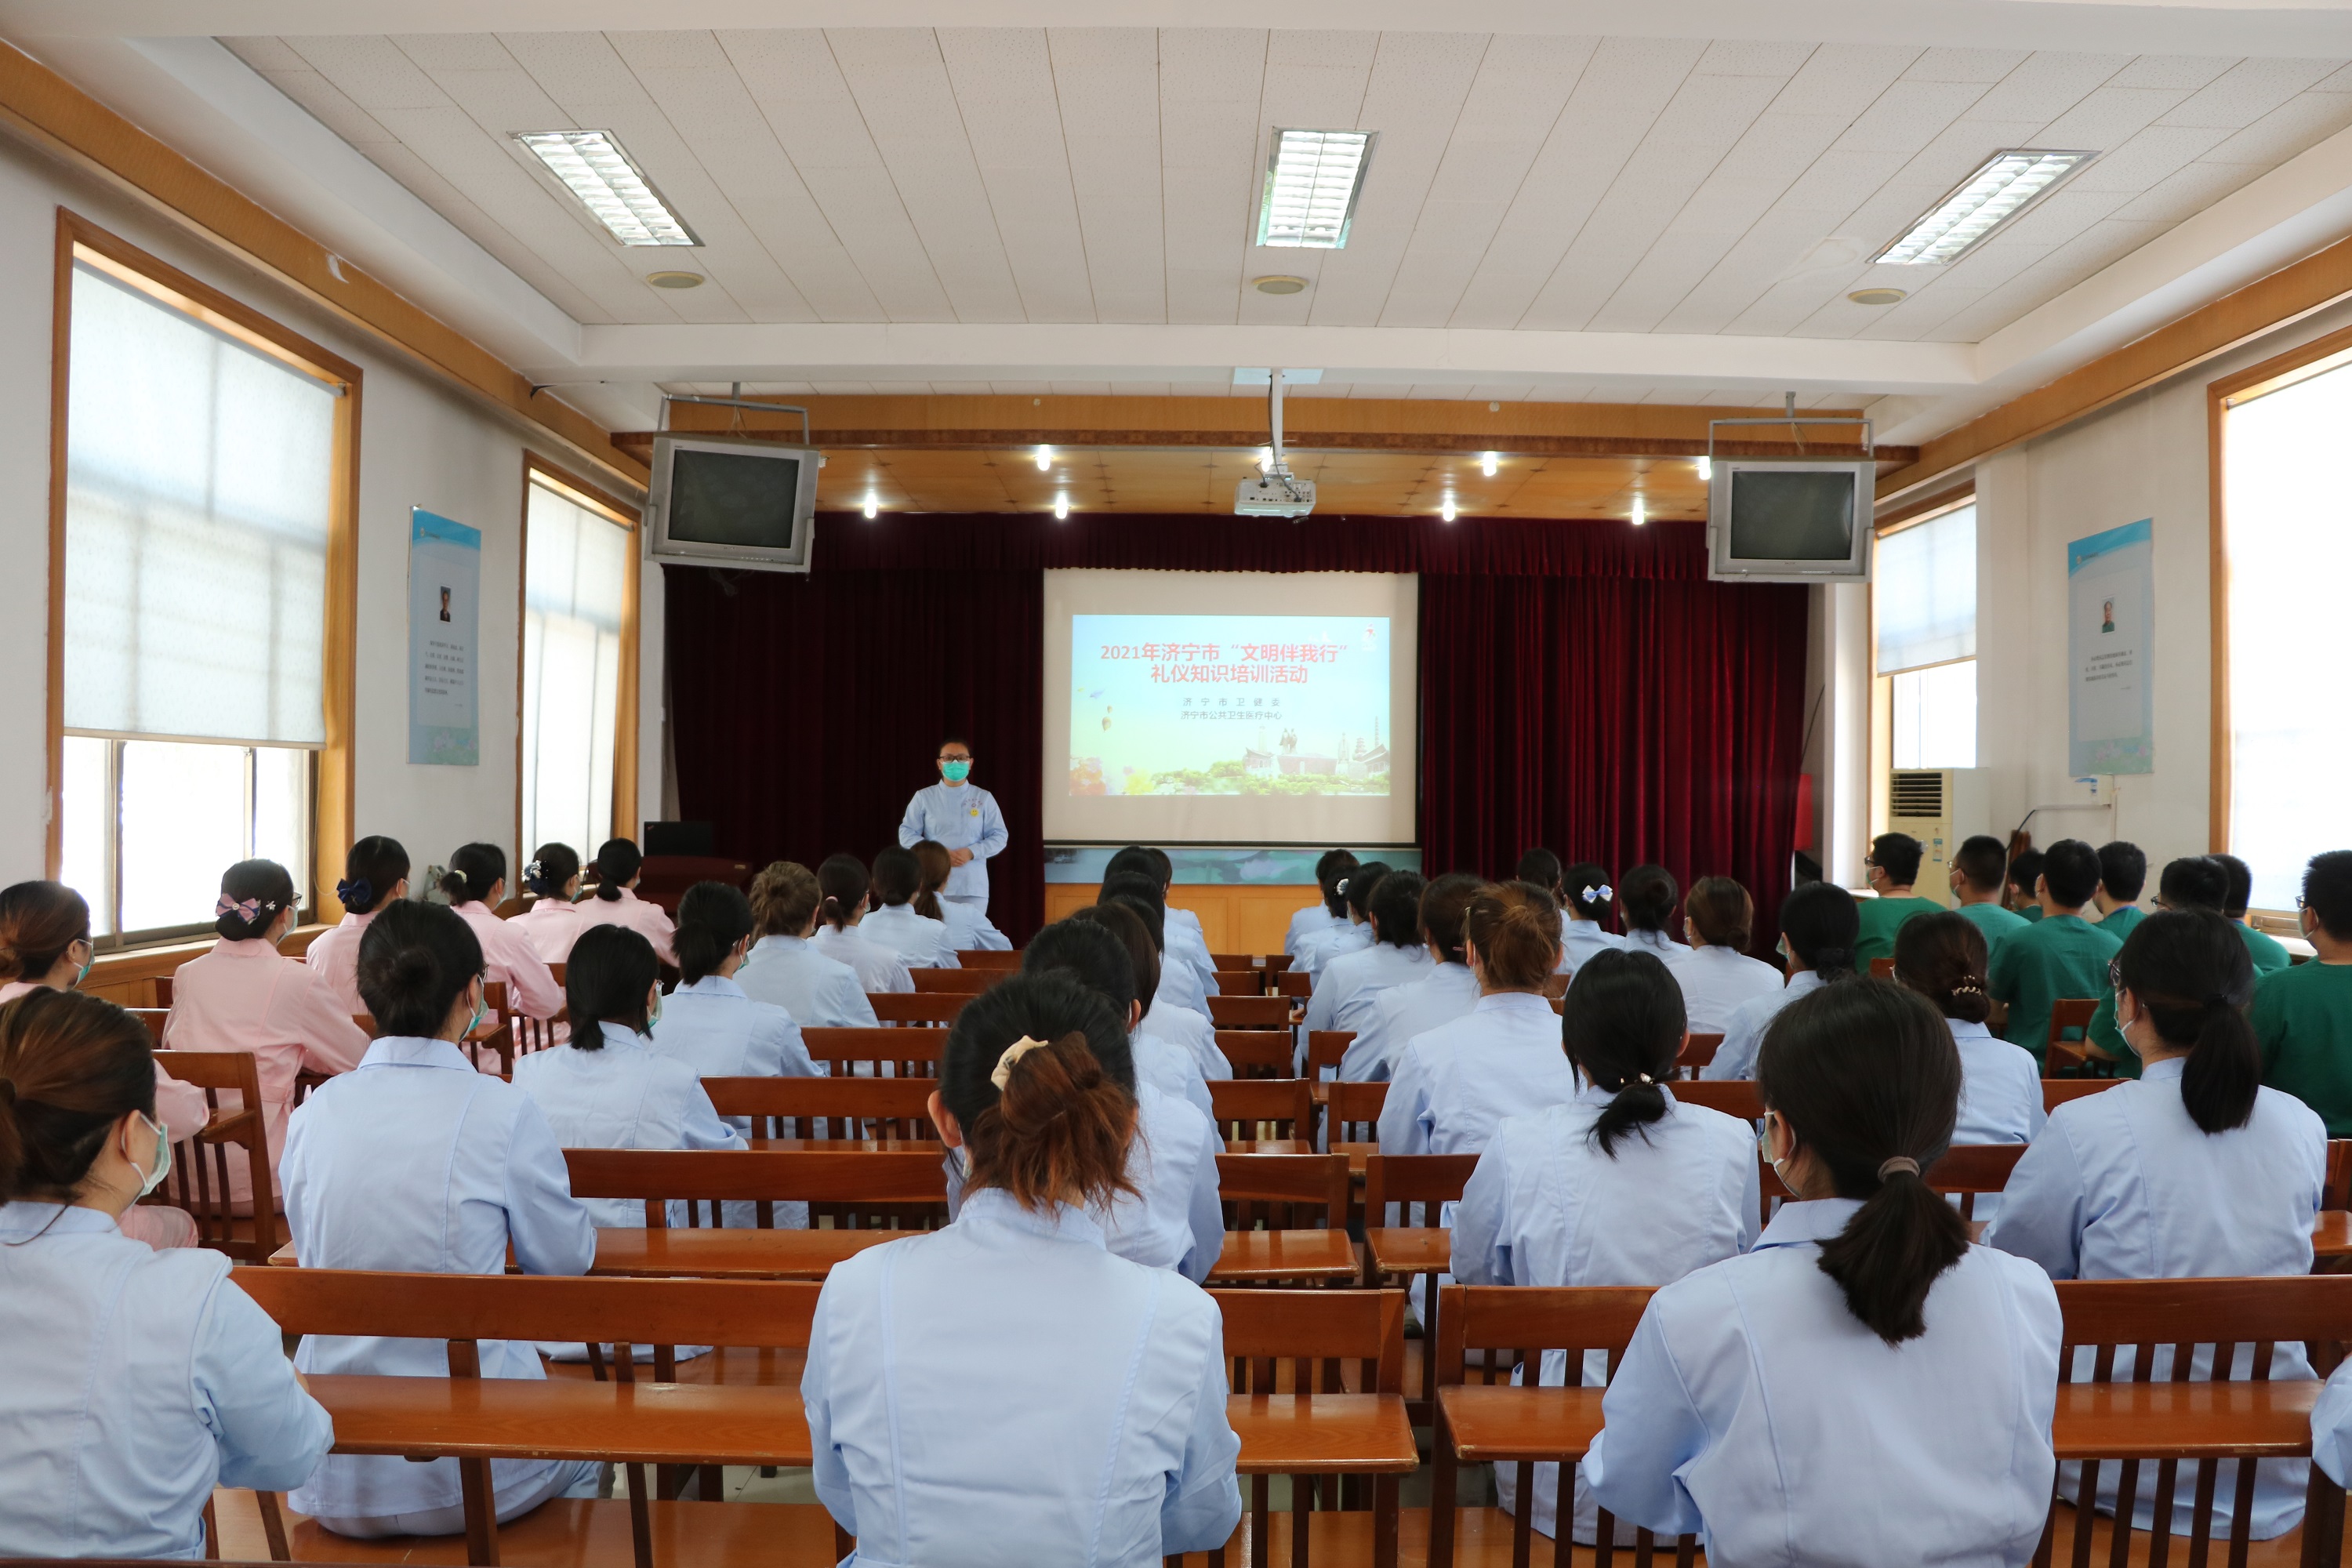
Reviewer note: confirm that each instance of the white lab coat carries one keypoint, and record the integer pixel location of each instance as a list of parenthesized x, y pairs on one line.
[(1319, 949), (1402, 1012), (1312, 921), (1348, 986), (1579, 940), (878, 968), (922, 942), (1656, 943), (958, 817), (1456, 1083), (2331, 1426), (1191, 1030), (926, 1367), (970, 929), (131, 1383), (1546, 1206), (1743, 1032), (2000, 1092), (820, 993), (1172, 1069), (717, 1031), (626, 1096), (1181, 931), (1716, 980), (2123, 1186), (1753, 1406), (416, 1163)]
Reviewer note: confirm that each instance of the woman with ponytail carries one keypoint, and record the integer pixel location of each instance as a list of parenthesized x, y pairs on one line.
[(1862, 1388), (710, 1022), (246, 995), (552, 921), (131, 1382), (1454, 1084), (375, 874), (1349, 986), (969, 927), (476, 882), (1587, 899), (923, 942), (1942, 957), (1648, 901), (931, 1442), (843, 890), (2195, 1170), (1621, 1185), (619, 864), (1819, 924), (418, 1164)]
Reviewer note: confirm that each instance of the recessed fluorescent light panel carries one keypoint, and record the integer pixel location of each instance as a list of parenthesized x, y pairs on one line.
[(1311, 184), (2004, 186), (592, 168)]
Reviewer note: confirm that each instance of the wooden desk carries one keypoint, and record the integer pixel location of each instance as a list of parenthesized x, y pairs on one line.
[(1327, 1256), (733, 1253), (497, 1418), (1357, 1154), (1410, 1249), (1326, 1435)]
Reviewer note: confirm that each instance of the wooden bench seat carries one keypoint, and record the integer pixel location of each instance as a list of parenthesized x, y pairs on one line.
[(566, 1532)]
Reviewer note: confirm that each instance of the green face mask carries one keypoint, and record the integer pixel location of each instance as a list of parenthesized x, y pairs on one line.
[(956, 772)]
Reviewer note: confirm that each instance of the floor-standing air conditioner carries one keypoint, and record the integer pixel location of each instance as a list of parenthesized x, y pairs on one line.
[(1939, 807)]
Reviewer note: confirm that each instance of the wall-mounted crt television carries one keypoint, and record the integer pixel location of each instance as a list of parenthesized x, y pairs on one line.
[(1772, 520), (720, 500)]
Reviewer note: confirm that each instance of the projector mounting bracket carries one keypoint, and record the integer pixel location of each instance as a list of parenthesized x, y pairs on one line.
[(1796, 425)]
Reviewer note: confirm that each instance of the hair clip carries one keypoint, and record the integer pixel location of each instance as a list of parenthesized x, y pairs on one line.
[(1340, 886), (534, 873), (247, 909), (1013, 1053), (1592, 895), (358, 890)]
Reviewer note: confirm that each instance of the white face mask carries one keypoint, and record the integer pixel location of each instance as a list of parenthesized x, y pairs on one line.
[(154, 1178)]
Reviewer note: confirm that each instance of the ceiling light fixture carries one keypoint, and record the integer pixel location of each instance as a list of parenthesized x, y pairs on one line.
[(1641, 512), (1879, 295), (873, 506), (1489, 463), (675, 279), (1312, 181), (1045, 458), (1705, 470), (1445, 507), (1061, 504), (593, 168), (2002, 187), (1279, 283)]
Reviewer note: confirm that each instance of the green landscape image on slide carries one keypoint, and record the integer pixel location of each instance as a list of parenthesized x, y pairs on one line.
[(1266, 705)]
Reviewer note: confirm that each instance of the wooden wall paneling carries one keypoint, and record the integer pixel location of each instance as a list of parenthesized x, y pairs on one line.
[(1237, 918)]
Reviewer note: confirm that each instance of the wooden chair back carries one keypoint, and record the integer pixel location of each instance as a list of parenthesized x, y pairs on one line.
[(539, 1034), (895, 1053), (2057, 1091), (1352, 1112), (1250, 1012), (1249, 1108), (828, 1106), (935, 1009), (1235, 961), (1294, 983), (1696, 1052), (1965, 1171), (1882, 969), (154, 1018), (1313, 1332), (888, 1190), (1279, 963), (1555, 986), (1732, 1096), (2071, 1013), (1324, 1048), (163, 988), (2336, 1194), (199, 1178), (1241, 982), (1407, 1180), (954, 981), (987, 958), (1557, 1003), (1271, 1191), (1258, 1053)]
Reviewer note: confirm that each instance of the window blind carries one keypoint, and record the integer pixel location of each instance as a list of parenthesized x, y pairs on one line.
[(575, 578), (199, 495), (1925, 590)]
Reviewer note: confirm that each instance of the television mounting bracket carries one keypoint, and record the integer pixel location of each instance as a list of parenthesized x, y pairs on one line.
[(1796, 425)]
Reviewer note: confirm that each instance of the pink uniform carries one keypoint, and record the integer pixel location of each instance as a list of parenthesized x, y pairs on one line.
[(514, 963), (552, 925), (335, 955), (646, 920), (248, 997)]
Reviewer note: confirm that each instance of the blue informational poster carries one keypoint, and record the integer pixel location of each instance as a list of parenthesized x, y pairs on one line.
[(445, 592), (2110, 612)]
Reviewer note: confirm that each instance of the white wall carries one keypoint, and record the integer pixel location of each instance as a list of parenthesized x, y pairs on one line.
[(421, 443)]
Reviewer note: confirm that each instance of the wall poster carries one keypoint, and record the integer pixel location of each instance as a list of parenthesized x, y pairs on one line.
[(444, 590), (2110, 610)]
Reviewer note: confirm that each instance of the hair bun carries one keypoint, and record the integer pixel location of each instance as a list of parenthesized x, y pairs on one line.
[(355, 893)]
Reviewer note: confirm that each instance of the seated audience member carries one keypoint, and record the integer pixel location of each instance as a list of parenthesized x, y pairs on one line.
[(1942, 957), (784, 968), (1447, 991), (842, 888), (922, 1346), (1587, 901), (1818, 923), (2303, 1015), (2192, 882), (1350, 984), (2269, 953), (245, 996), (2123, 872), (553, 920), (375, 875), (1862, 1351), (1893, 867), (969, 928), (923, 944), (45, 946), (415, 1163), (2020, 888), (1184, 925), (1541, 869), (2063, 956), (1717, 974), (618, 866), (2331, 1426), (1454, 1083), (1620, 1186), (1173, 1219), (1357, 934), (131, 1382), (1181, 1026), (2194, 1171), (711, 1023), (1332, 868), (1978, 876), (1188, 975), (475, 881), (1648, 903), (1166, 1064)]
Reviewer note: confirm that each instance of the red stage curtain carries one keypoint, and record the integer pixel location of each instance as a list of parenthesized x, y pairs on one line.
[(1582, 685)]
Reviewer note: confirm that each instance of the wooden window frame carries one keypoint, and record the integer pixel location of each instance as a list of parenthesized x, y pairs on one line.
[(618, 510), (331, 810), (1882, 687)]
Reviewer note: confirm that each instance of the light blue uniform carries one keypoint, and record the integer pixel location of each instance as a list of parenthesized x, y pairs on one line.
[(131, 1383), (1191, 1030), (958, 817), (1753, 1406), (1187, 977), (2123, 1186), (1579, 940), (416, 1163), (1456, 1084), (922, 942), (878, 968), (969, 930), (628, 1095), (2001, 1090), (716, 1029), (1717, 981), (1312, 921), (1347, 987), (1402, 1012), (1316, 952), (2331, 1426), (820, 993), (1546, 1206), (1658, 945), (1172, 1069), (926, 1367), (1743, 1032)]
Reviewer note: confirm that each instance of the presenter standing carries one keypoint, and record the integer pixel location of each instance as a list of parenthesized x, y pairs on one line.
[(963, 817)]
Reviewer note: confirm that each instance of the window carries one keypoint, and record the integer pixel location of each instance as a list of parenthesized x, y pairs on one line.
[(2287, 529), (202, 499), (1923, 600), (579, 559)]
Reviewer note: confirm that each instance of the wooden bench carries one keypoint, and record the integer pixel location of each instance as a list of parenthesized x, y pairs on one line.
[(953, 982), (881, 1053), (828, 1107), (199, 1178), (1738, 1096), (1258, 1053), (987, 958), (931, 1009), (1250, 1012), (863, 1190), (1401, 1251), (1242, 1106)]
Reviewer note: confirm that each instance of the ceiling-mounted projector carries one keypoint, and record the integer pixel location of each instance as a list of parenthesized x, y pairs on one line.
[(1276, 491)]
